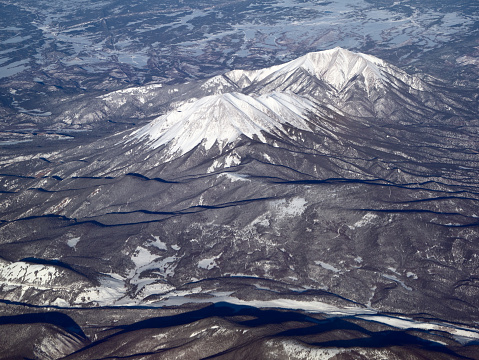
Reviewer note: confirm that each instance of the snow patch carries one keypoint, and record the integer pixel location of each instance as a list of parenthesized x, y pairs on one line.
[(235, 177), (26, 274), (210, 263), (109, 291), (58, 207), (142, 257), (73, 242), (166, 266), (289, 208), (394, 278), (366, 219), (228, 161), (59, 302), (295, 350), (261, 220), (158, 243), (327, 266), (267, 157), (411, 275)]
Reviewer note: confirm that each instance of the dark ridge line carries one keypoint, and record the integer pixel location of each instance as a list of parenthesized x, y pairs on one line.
[(59, 191), (429, 318), (251, 159), (412, 211), (148, 212), (19, 176), (474, 224), (178, 213), (442, 175), (377, 183), (336, 180), (94, 177), (233, 203), (99, 224), (135, 355), (34, 217), (59, 319), (391, 338), (76, 222), (275, 282), (278, 314), (199, 208), (56, 263), (434, 199), (218, 309), (47, 191), (185, 211), (145, 178), (374, 340)]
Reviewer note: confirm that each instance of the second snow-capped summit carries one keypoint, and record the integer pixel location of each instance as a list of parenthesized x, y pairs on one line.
[(221, 119)]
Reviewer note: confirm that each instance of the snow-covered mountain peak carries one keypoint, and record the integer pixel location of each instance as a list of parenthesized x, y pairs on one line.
[(338, 66), (335, 67), (222, 118)]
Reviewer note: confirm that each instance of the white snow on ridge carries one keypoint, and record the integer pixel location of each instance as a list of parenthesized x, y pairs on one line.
[(27, 274), (221, 119), (335, 66)]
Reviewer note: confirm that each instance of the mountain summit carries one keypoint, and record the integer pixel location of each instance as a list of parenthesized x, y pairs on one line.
[(336, 67), (223, 118)]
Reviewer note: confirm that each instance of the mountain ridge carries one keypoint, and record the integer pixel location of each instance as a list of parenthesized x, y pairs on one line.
[(255, 102), (223, 118)]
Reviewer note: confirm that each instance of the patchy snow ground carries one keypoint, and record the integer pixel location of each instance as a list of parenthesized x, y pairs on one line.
[(289, 208), (366, 219)]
